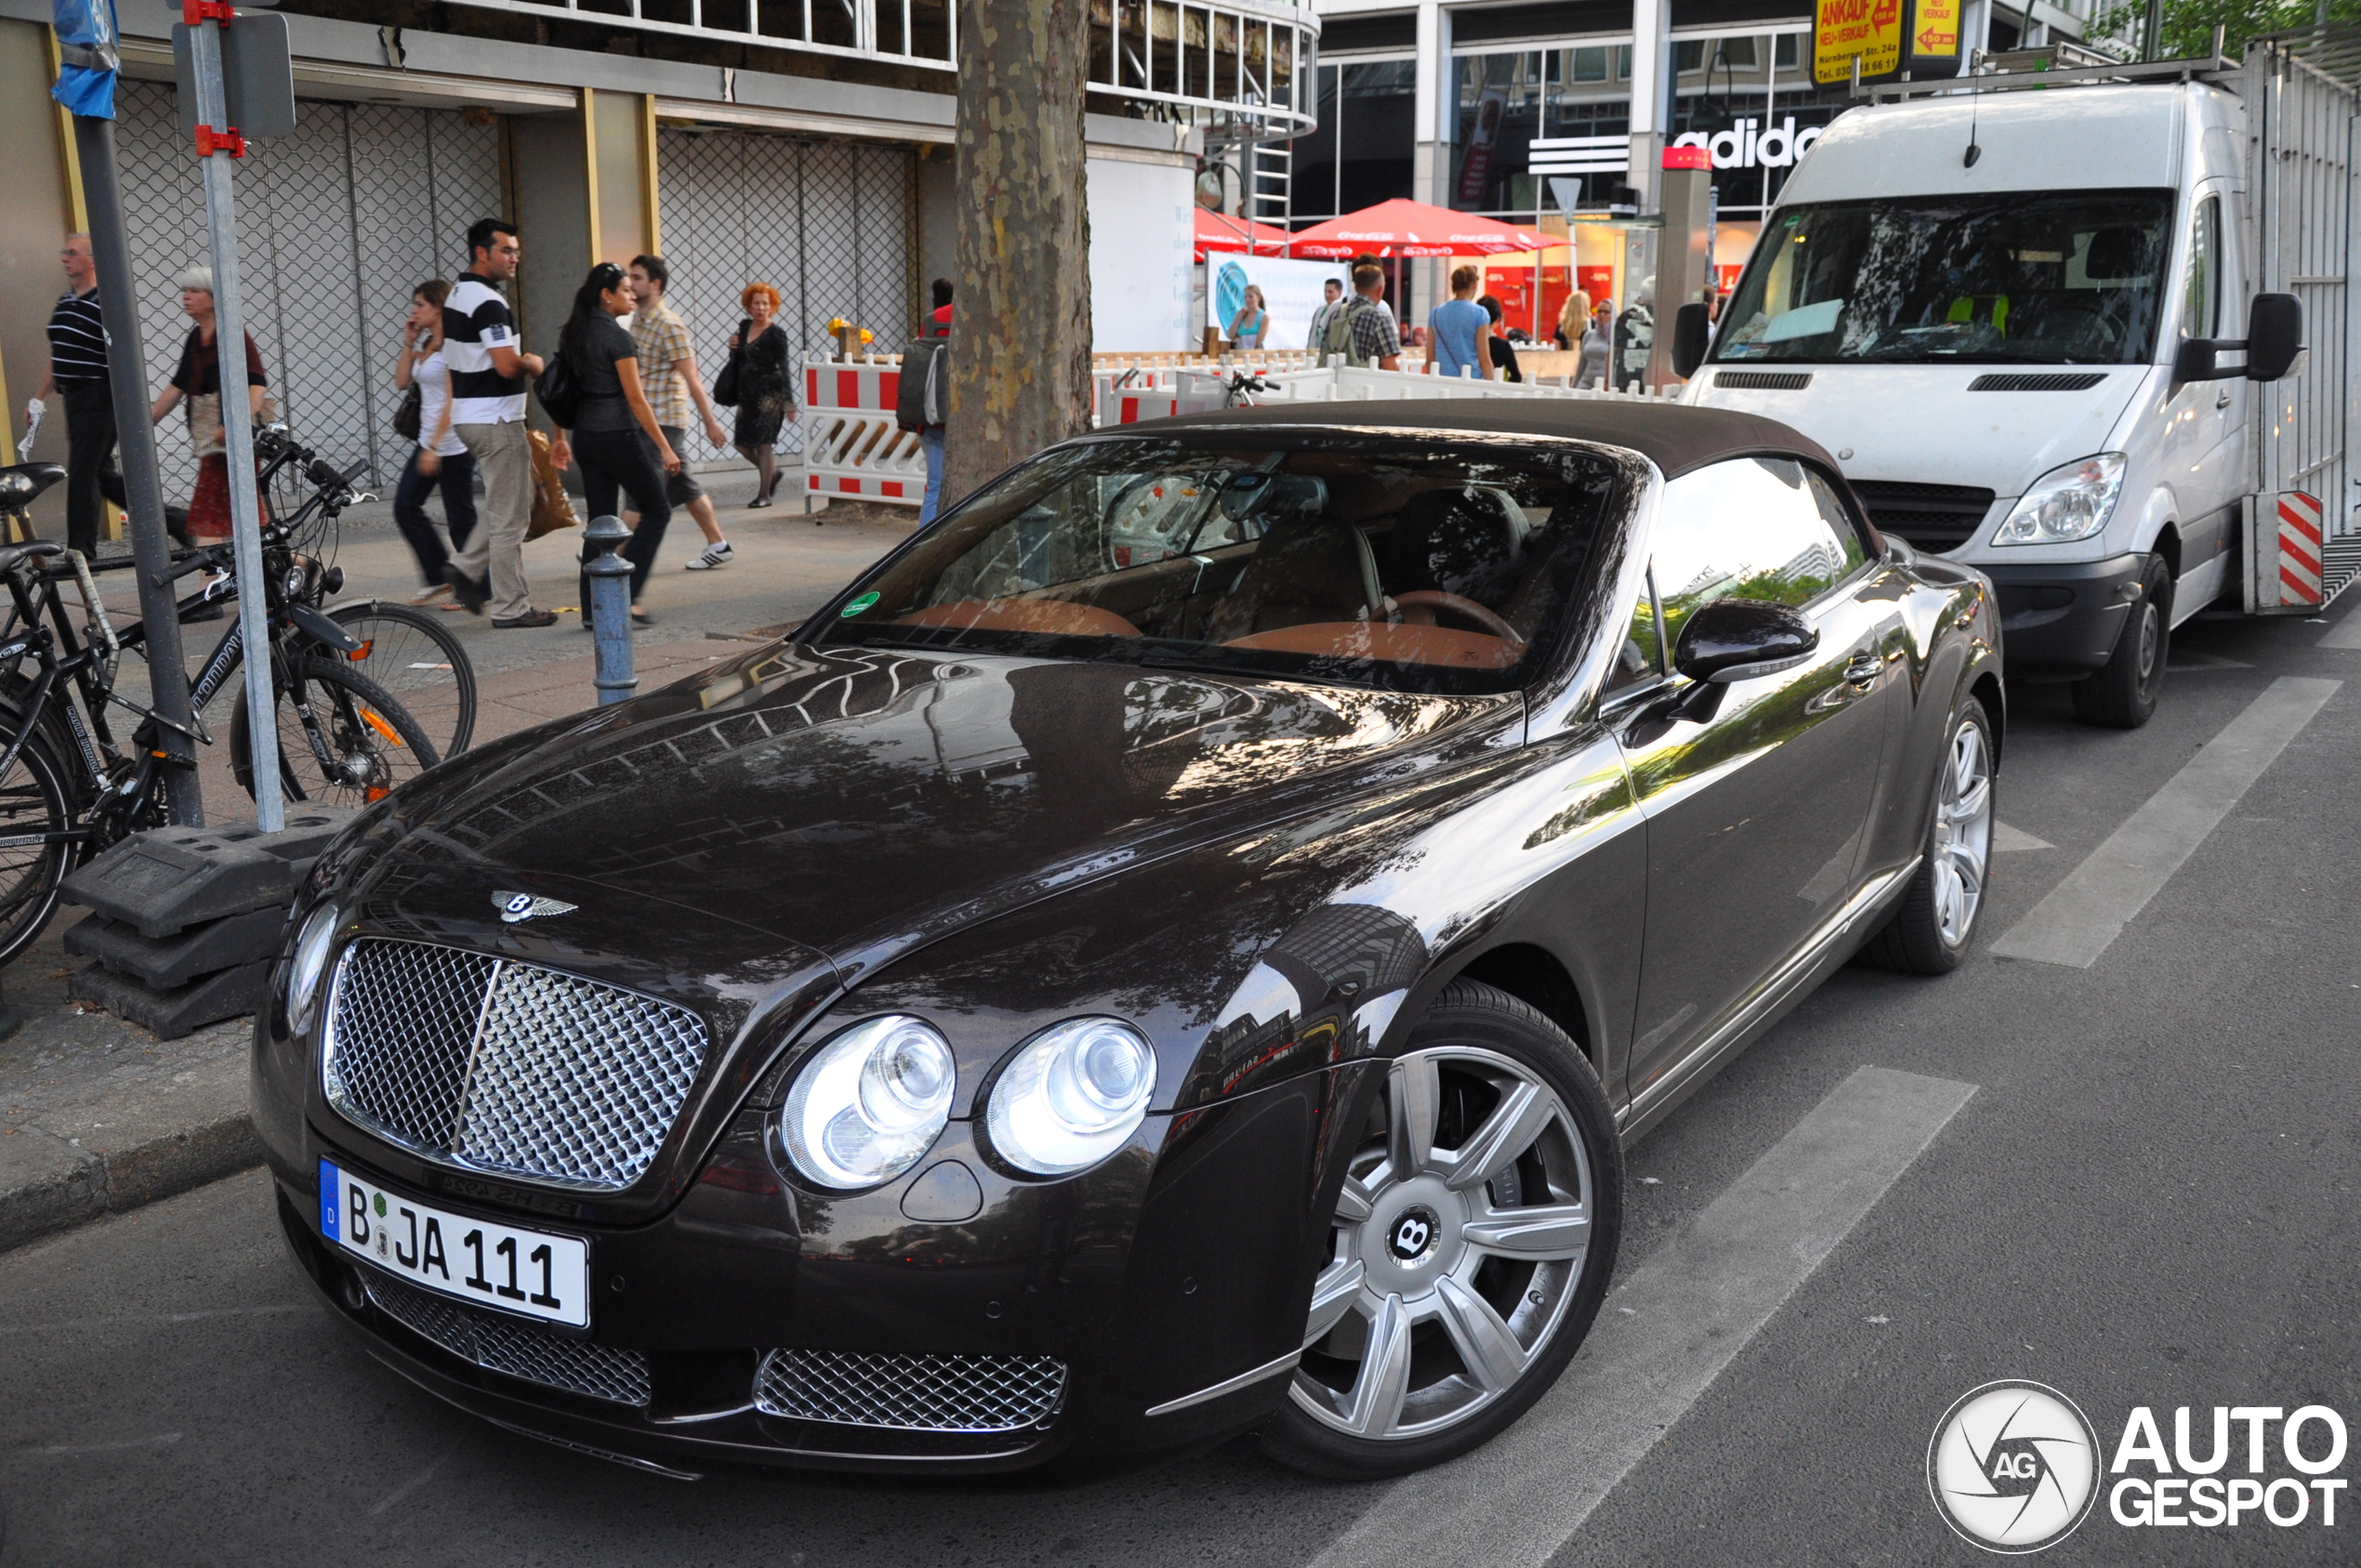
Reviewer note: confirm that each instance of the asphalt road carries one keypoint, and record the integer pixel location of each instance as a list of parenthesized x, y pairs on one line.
[(2134, 1181)]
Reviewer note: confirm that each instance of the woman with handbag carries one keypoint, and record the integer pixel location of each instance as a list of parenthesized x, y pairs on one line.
[(759, 382), (437, 457), (197, 383), (606, 424)]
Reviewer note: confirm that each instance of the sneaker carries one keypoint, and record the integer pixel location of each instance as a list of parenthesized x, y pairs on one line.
[(465, 589), (530, 618), (715, 555), (427, 596)]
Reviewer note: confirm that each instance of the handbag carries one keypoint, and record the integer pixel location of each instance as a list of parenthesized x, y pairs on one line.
[(560, 392), (551, 509), (725, 386), (204, 425), (411, 415)]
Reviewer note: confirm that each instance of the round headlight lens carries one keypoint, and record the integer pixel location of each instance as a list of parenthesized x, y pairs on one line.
[(310, 963), (1073, 1095), (869, 1103)]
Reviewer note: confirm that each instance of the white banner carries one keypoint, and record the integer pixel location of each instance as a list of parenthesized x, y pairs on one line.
[(1291, 293)]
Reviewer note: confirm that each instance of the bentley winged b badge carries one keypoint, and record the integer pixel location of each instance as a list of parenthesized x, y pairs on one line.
[(514, 907)]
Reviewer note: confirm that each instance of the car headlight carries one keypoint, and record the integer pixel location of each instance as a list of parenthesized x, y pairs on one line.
[(870, 1102), (310, 963), (1072, 1095), (2072, 502)]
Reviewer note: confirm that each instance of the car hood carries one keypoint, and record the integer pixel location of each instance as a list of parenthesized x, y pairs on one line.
[(863, 801)]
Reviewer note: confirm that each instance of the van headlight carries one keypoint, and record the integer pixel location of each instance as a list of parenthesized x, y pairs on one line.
[(870, 1102), (2071, 502), (310, 965), (1073, 1095)]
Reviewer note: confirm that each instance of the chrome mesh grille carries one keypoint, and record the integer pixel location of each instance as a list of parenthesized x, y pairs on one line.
[(919, 1394), (516, 1350), (494, 1065)]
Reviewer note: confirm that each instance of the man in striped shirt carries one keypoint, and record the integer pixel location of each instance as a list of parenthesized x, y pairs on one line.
[(488, 370), (78, 371)]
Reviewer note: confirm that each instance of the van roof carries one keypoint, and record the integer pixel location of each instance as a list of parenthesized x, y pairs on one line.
[(2076, 137)]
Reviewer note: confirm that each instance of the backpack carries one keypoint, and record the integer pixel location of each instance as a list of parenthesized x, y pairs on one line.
[(923, 394), (1337, 337), (560, 392)]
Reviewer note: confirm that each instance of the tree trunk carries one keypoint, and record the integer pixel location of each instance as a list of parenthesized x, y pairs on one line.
[(1021, 335)]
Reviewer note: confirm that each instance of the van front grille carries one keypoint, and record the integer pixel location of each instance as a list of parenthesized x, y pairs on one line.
[(1932, 517)]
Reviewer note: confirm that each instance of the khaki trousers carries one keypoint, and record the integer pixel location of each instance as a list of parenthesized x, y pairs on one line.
[(495, 550)]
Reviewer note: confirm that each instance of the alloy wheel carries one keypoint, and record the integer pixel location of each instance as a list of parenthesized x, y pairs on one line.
[(1962, 834), (1459, 1239)]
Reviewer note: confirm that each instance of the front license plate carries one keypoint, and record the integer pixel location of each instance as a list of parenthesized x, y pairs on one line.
[(504, 1266)]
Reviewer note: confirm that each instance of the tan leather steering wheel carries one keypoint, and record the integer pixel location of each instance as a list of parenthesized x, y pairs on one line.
[(1432, 599)]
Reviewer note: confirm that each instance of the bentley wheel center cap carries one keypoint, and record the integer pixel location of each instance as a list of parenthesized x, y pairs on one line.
[(1413, 1234)]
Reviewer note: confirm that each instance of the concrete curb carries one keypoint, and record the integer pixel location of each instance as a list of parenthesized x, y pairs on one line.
[(133, 1147)]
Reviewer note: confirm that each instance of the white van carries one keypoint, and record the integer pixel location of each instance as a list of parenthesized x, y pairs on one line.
[(2021, 319)]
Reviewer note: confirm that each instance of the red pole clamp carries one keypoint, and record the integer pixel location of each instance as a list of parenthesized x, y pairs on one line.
[(195, 12), (210, 141)]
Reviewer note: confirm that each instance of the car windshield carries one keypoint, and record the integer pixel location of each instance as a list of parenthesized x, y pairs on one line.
[(1397, 561), (2068, 277)]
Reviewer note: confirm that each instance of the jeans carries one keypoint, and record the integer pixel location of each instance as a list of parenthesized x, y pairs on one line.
[(618, 463), (495, 553), (931, 439), (456, 479), (90, 471)]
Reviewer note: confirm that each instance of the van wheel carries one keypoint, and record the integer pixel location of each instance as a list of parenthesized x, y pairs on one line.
[(2122, 695)]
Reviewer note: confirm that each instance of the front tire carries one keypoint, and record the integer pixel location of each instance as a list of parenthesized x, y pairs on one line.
[(1932, 927), (373, 743), (2122, 694), (1473, 1240)]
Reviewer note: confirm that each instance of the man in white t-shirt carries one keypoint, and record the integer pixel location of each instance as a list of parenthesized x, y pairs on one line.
[(488, 371)]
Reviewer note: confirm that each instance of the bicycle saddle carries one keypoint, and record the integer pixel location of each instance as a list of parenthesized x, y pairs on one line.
[(20, 485), (14, 556)]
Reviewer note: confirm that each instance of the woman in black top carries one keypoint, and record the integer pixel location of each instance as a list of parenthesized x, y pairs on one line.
[(1504, 355), (765, 399), (615, 436)]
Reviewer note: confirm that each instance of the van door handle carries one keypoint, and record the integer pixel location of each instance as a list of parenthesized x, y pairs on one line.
[(2222, 401)]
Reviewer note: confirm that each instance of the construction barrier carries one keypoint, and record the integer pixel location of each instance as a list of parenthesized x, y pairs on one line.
[(851, 445)]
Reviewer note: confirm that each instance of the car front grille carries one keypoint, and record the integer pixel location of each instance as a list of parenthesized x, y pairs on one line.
[(918, 1393), (494, 1065), (1933, 516), (516, 1350)]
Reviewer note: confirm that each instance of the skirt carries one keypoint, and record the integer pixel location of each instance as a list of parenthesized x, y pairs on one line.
[(209, 507), (760, 419)]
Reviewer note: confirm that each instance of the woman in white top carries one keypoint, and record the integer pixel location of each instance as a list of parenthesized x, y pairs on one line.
[(440, 457)]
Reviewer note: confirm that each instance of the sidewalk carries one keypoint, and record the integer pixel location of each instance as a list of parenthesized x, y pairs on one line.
[(99, 1115)]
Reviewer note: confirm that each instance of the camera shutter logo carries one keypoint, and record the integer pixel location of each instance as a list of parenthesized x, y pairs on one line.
[(2013, 1467)]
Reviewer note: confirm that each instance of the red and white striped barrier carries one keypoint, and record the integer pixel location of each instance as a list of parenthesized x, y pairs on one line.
[(2300, 549), (851, 445)]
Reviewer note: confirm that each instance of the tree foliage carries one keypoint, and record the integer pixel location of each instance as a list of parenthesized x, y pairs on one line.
[(2189, 24)]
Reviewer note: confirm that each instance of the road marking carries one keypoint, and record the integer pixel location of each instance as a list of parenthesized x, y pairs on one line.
[(1661, 1341), (2007, 840), (2083, 915), (2346, 633), (162, 1439), (2190, 659)]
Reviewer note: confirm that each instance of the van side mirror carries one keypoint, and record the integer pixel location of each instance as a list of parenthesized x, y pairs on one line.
[(1739, 638), (2274, 336), (1691, 331), (2193, 361)]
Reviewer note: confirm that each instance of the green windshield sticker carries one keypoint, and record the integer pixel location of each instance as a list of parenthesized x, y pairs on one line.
[(857, 606)]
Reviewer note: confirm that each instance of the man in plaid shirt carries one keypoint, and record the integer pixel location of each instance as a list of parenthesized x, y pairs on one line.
[(669, 375), (1374, 339)]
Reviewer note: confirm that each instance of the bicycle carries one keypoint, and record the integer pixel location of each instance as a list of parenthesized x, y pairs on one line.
[(68, 791)]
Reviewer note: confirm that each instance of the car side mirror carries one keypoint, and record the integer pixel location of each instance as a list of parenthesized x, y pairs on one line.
[(2274, 336), (1739, 638), (1691, 331)]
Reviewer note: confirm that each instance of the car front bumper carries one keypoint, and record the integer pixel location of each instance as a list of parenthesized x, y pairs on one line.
[(2060, 620)]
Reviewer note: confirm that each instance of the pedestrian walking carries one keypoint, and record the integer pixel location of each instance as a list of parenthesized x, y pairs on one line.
[(1331, 300), (488, 370), (1251, 320), (438, 459), (766, 400), (77, 374), (615, 435), (922, 402), (196, 383), (1459, 331), (669, 376), (1363, 331), (1504, 353)]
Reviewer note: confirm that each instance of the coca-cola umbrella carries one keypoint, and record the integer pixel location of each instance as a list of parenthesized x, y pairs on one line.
[(1221, 231), (1406, 228)]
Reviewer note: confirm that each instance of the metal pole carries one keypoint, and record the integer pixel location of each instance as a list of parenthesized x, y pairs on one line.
[(237, 432), (151, 548), (610, 604)]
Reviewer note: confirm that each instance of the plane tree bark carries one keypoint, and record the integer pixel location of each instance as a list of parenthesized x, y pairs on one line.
[(1021, 332)]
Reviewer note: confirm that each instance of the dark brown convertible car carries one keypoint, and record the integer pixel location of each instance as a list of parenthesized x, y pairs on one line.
[(1176, 949)]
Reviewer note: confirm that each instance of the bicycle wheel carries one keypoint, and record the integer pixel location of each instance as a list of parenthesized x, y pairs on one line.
[(421, 661), (372, 746), (32, 801)]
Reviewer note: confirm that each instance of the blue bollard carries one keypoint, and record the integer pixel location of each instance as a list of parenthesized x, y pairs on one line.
[(610, 607)]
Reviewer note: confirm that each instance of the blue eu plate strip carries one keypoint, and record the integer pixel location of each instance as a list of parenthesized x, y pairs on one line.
[(331, 1199)]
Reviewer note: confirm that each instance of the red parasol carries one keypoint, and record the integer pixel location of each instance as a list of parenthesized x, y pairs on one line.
[(1404, 227)]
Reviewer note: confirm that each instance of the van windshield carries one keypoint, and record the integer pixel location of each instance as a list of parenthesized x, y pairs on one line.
[(2066, 277)]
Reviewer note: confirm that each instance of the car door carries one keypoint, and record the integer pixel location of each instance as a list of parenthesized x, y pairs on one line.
[(1758, 796)]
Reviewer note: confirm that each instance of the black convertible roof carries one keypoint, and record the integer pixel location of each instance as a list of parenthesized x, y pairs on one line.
[(1673, 436)]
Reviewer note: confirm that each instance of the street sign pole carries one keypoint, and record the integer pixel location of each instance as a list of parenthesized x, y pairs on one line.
[(218, 142)]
